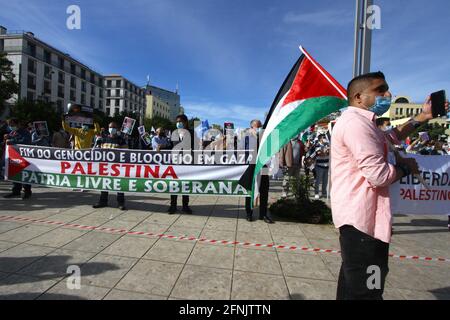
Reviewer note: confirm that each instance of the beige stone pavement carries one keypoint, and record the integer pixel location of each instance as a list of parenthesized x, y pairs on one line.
[(34, 257)]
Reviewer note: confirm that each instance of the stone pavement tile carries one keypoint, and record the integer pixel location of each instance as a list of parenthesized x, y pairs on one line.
[(61, 217), (224, 224), (90, 221), (190, 221), (393, 294), (410, 277), (135, 215), (332, 244), (211, 234), (151, 277), (151, 227), (257, 261), (286, 229), (6, 226), (212, 255), (170, 251), (162, 218), (55, 265), (130, 246), (105, 271), (25, 233), (304, 266), (202, 283), (297, 241), (258, 238), (18, 287), (57, 238), (20, 256), (225, 210), (333, 262), (120, 224), (422, 295), (319, 231), (4, 245), (257, 226), (129, 295), (79, 210), (256, 286), (94, 241), (184, 231), (309, 289), (62, 292)]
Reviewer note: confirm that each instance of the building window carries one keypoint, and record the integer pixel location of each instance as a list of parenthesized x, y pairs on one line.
[(109, 83), (83, 74), (117, 102), (73, 96), (47, 87), (61, 63), (47, 57), (108, 111), (118, 83), (48, 72), (116, 111), (100, 104), (92, 102), (73, 83), (30, 96), (31, 66), (73, 68), (108, 102), (31, 82), (117, 93), (60, 92), (100, 91), (60, 106), (83, 86), (83, 99), (61, 77)]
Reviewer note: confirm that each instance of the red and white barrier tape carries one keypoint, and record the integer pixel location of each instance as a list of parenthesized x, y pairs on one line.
[(224, 242)]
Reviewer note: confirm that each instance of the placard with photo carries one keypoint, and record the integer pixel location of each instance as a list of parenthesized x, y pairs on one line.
[(41, 128), (128, 125)]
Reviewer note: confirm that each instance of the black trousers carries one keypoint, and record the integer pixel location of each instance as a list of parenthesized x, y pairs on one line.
[(174, 198), (17, 188), (263, 197), (361, 254), (104, 198)]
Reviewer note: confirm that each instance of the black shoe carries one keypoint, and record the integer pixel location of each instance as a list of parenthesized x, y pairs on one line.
[(26, 195), (187, 210), (99, 205), (12, 195), (122, 207), (172, 210), (249, 218), (268, 220)]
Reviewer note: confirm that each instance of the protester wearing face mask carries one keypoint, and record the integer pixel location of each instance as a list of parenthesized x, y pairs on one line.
[(18, 135), (83, 136), (112, 141), (321, 154), (185, 138), (60, 138), (384, 124), (360, 180)]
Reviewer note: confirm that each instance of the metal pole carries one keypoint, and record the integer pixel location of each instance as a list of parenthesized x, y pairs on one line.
[(363, 39), (357, 39), (366, 45)]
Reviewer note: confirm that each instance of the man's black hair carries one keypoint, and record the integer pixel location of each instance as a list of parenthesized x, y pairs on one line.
[(363, 79)]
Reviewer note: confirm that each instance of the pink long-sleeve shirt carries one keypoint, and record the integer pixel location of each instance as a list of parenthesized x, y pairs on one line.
[(361, 175)]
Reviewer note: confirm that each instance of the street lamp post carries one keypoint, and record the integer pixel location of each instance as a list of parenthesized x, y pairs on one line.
[(363, 38)]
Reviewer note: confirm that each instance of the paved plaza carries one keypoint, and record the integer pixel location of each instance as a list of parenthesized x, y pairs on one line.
[(35, 256)]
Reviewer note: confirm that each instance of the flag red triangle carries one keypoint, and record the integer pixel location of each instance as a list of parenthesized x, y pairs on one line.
[(16, 163)]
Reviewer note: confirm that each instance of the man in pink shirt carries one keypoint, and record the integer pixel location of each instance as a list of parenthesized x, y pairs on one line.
[(360, 178)]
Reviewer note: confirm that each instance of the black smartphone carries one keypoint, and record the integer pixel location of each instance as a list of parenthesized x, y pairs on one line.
[(438, 103)]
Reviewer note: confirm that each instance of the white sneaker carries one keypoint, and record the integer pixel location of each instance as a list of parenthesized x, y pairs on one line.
[(317, 197)]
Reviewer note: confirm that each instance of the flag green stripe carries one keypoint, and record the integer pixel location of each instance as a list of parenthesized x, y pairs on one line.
[(307, 113)]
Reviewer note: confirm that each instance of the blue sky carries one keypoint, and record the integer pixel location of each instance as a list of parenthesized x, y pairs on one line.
[(230, 57)]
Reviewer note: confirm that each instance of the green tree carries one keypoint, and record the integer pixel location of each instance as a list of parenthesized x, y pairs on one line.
[(8, 85), (30, 111), (157, 122)]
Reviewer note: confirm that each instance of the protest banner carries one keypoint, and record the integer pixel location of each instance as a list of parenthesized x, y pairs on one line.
[(128, 125), (41, 128), (77, 116), (410, 196), (129, 171)]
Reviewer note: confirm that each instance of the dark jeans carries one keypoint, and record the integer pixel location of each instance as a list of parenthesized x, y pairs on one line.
[(321, 178), (17, 188), (263, 197), (104, 198), (359, 251), (174, 198)]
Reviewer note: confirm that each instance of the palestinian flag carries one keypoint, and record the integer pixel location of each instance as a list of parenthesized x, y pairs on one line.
[(308, 94)]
